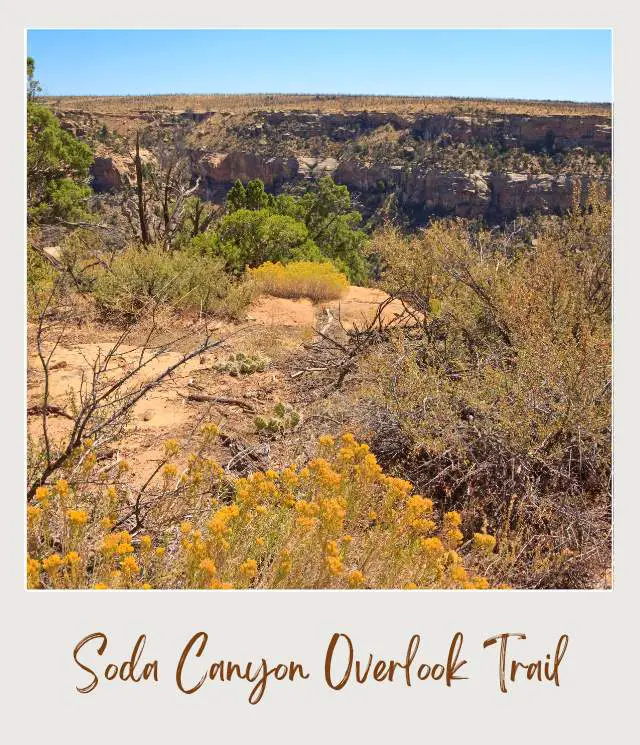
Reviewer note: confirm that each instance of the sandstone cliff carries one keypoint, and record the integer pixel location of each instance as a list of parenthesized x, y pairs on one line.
[(491, 165)]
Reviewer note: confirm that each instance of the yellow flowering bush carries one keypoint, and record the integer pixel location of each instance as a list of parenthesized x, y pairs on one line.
[(316, 280), (337, 522)]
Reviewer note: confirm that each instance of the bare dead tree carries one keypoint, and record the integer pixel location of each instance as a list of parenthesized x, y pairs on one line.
[(104, 403), (162, 197), (142, 208)]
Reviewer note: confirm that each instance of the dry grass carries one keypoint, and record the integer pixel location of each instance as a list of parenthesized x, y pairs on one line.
[(122, 105)]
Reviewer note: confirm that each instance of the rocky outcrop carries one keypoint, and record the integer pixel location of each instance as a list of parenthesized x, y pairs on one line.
[(111, 171), (497, 196), (458, 194), (225, 168), (528, 132), (517, 193), (417, 157), (338, 127), (420, 189), (106, 176)]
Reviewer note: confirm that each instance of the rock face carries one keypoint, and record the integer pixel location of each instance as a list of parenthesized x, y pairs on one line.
[(434, 164), (225, 168), (106, 175), (516, 193), (528, 132), (111, 171), (496, 196)]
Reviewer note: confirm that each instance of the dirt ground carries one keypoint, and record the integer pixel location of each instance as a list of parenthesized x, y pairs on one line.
[(275, 328)]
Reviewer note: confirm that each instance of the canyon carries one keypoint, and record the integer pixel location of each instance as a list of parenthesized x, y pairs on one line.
[(481, 163)]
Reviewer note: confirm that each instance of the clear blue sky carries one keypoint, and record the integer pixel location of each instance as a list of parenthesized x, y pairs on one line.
[(541, 64)]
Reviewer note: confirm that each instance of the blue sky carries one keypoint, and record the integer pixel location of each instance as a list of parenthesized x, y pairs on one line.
[(541, 64)]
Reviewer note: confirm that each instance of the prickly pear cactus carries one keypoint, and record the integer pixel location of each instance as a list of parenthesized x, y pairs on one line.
[(283, 418), (243, 364)]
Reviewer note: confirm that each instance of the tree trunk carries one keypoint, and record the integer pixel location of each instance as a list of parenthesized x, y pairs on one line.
[(144, 229)]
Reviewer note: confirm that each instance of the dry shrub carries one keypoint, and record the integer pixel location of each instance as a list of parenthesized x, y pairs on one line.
[(339, 522), (499, 395), (318, 281)]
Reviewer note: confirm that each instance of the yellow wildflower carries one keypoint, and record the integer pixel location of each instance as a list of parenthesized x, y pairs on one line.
[(451, 520), (334, 565), (171, 448), (458, 573), (170, 471), (129, 565), (77, 518), (42, 493), (33, 514), (208, 566), (249, 568), (356, 579), (210, 430), (306, 523), (62, 487), (52, 563), (332, 513), (432, 546), (33, 573), (332, 548), (417, 506), (480, 583), (484, 542)]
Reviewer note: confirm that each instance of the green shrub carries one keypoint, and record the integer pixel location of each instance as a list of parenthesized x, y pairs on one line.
[(316, 226), (181, 279), (57, 169)]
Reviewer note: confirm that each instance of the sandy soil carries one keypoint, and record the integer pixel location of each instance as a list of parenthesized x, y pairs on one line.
[(275, 327)]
